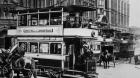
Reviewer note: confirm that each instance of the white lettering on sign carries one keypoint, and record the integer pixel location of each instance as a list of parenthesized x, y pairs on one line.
[(40, 38), (40, 30)]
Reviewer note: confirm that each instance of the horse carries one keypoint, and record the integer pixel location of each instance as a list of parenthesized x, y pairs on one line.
[(103, 58), (23, 64), (111, 57), (106, 58), (16, 62), (5, 70)]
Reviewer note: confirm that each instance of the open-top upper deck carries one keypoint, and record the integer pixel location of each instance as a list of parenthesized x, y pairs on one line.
[(67, 16)]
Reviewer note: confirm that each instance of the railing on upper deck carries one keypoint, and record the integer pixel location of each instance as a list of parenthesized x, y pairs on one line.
[(40, 18)]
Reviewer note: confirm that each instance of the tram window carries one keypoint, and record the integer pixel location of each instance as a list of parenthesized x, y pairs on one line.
[(55, 19), (33, 19), (33, 22), (23, 45), (22, 20), (44, 48), (33, 47), (43, 19), (43, 22), (55, 48)]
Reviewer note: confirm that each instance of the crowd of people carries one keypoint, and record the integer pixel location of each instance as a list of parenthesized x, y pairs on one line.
[(77, 22)]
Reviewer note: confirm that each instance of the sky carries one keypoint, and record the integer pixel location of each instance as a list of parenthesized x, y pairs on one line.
[(135, 13)]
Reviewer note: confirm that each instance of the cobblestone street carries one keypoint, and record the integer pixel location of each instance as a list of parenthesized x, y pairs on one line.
[(122, 70)]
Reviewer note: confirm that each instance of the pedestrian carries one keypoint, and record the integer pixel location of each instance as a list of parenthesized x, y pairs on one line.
[(67, 23), (136, 59)]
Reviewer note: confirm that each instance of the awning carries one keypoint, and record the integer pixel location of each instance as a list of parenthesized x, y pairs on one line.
[(102, 19)]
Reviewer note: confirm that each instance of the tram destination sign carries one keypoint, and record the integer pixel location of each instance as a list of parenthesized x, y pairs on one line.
[(41, 31)]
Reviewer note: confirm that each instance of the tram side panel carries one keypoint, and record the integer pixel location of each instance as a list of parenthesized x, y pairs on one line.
[(48, 54)]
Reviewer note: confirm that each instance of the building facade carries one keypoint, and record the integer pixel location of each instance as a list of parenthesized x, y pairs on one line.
[(117, 12), (7, 21), (48, 3)]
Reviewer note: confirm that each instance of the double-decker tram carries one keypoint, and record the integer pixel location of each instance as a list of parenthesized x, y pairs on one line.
[(59, 40)]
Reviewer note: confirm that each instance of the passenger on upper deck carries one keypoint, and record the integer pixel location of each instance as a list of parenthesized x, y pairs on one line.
[(76, 22), (67, 23), (89, 23)]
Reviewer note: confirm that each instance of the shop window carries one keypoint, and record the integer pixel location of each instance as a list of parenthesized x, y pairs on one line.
[(44, 48), (55, 48), (23, 46), (33, 47)]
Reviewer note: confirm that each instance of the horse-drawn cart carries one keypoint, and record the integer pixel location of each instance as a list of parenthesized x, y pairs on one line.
[(107, 56)]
